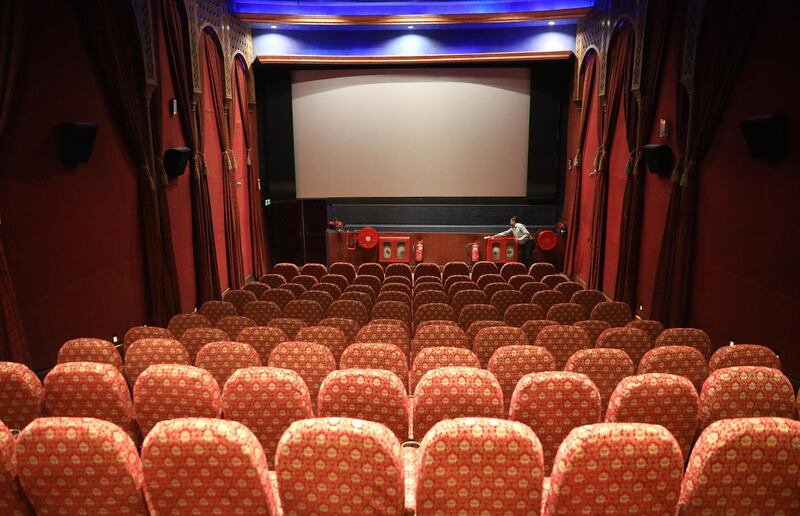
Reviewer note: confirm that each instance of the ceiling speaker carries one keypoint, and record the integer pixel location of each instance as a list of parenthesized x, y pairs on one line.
[(75, 142), (767, 136), (175, 161), (659, 158)]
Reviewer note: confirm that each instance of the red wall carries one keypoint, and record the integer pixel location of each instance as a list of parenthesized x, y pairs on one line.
[(242, 185)]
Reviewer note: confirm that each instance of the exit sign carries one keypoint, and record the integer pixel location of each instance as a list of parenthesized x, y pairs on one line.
[(267, 202)]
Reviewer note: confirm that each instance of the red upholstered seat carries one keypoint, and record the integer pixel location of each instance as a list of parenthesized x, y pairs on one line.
[(427, 269), (593, 328), (306, 280), (144, 332), (182, 322), (692, 337), (615, 313), (506, 298), (562, 341), (279, 296), (431, 311), (12, 500), (257, 288), (287, 270), (89, 350), (519, 280), (386, 333), (342, 281), (216, 310), (488, 340), (347, 326), (553, 280), (454, 278), (348, 270), (568, 288), (310, 312), (510, 363), (318, 296), (373, 269), (195, 338), (397, 286), (263, 339), (588, 299), (428, 296), (744, 355), (399, 269), (481, 268), (566, 313), (458, 286), (605, 367), (429, 359), (455, 268), (234, 324), (374, 282), (327, 286), (434, 335), (262, 312), (632, 341), (485, 279), (528, 289), (222, 359), (239, 298), (541, 269), (652, 328), (547, 298), (463, 298), (331, 338), (679, 360), (392, 310), (313, 362), (376, 355), (533, 327), (510, 269), (478, 312), (146, 352), (295, 288), (477, 326), (493, 288), (348, 309), (272, 280), (288, 325), (317, 270), (22, 394), (364, 298)]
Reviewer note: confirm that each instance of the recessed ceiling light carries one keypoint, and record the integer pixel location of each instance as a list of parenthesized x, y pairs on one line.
[(273, 26), (551, 23), (411, 27)]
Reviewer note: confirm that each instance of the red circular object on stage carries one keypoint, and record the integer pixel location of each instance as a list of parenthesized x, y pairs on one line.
[(546, 239), (367, 237)]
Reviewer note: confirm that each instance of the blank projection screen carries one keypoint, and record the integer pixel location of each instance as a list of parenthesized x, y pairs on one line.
[(411, 132)]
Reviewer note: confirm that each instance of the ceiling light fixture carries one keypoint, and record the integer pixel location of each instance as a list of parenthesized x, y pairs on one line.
[(273, 26), (551, 23), (411, 27)]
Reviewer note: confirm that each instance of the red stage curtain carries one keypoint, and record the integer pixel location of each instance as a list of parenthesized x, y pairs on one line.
[(233, 236), (113, 39), (657, 29), (587, 85), (256, 215), (723, 39), (620, 60), (175, 26)]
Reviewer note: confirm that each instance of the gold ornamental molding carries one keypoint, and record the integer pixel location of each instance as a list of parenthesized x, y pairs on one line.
[(412, 59)]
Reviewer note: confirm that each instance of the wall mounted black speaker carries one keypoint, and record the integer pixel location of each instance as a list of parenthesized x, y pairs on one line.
[(767, 136), (659, 158), (175, 161), (75, 142)]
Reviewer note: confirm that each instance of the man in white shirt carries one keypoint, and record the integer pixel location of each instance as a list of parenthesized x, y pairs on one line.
[(523, 238)]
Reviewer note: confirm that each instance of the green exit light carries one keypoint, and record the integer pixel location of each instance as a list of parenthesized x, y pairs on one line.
[(267, 202)]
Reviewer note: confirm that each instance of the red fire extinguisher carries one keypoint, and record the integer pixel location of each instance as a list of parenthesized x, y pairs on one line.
[(418, 251), (474, 252)]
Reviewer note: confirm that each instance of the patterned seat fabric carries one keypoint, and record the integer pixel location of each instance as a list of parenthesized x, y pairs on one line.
[(393, 287), (745, 391), (588, 298), (374, 282), (287, 270), (455, 269), (455, 278), (451, 392), (309, 312), (506, 298), (431, 322), (12, 499), (511, 269), (568, 288), (272, 280), (477, 326), (493, 288), (331, 338), (485, 279), (279, 296), (266, 400), (313, 362), (612, 468), (263, 339), (385, 333), (427, 269), (652, 328), (89, 389), (434, 358), (239, 298), (182, 322), (433, 311), (221, 359), (552, 280), (541, 269), (463, 298), (363, 298), (393, 295), (393, 322), (262, 312), (257, 288), (519, 280), (370, 394), (318, 296), (532, 328), (660, 399), (744, 466), (288, 325), (478, 312), (692, 337), (376, 355), (615, 313), (744, 355), (317, 270), (566, 313), (458, 286), (228, 472), (510, 363), (372, 269), (80, 465), (348, 270), (552, 404), (548, 298), (169, 391), (216, 310), (144, 332), (480, 466), (605, 367), (347, 326), (392, 310), (632, 341), (428, 296), (295, 288), (528, 289), (419, 280), (349, 310), (306, 280), (488, 340), (327, 285), (593, 329), (434, 335), (89, 350), (678, 360), (234, 324), (562, 341), (399, 269), (358, 468), (482, 268), (404, 280), (146, 352), (195, 338)]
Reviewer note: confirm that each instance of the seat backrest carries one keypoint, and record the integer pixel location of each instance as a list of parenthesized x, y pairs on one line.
[(372, 269), (327, 284), (262, 312), (363, 298), (393, 295), (478, 312), (451, 392), (500, 460), (22, 394), (288, 325), (528, 289), (146, 352), (217, 450), (441, 356), (533, 327), (368, 452), (427, 269), (376, 355), (510, 269), (485, 279), (552, 404), (216, 310), (632, 341), (493, 288), (510, 363), (439, 335), (263, 339), (548, 298), (306, 280), (562, 341), (433, 311), (170, 391), (615, 313), (588, 298), (370, 394), (568, 288), (399, 269), (319, 296), (652, 328), (239, 298), (458, 286), (431, 322), (454, 278), (506, 298), (349, 309), (627, 464), (348, 270), (182, 322), (593, 329), (234, 324), (463, 298), (693, 337), (392, 310), (477, 326), (144, 332), (454, 269), (306, 310), (541, 269), (257, 288), (745, 391), (12, 499), (317, 270), (272, 280), (660, 399), (195, 338), (279, 296), (744, 355), (89, 389), (266, 400), (348, 327), (394, 286), (744, 466), (678, 360), (518, 280), (221, 359), (386, 333), (313, 362), (287, 270), (566, 313), (488, 340), (481, 268), (331, 338), (370, 280), (89, 350), (552, 280), (427, 296), (80, 465), (295, 288), (606, 368)]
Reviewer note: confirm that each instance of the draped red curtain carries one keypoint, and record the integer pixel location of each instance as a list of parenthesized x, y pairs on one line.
[(113, 38), (233, 238), (619, 67), (657, 29), (175, 25), (723, 39), (256, 215), (587, 87)]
